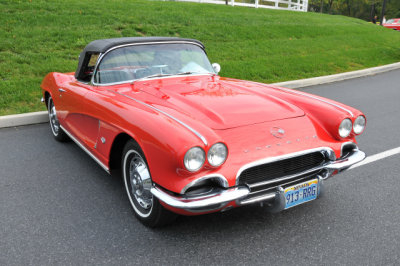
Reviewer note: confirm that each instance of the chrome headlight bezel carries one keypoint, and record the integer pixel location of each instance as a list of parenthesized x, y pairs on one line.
[(217, 154), (345, 128), (194, 159), (359, 124)]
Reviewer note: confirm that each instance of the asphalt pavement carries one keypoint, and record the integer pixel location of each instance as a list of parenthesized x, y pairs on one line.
[(58, 207)]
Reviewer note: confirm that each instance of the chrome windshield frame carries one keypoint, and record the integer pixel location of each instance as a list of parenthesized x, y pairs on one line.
[(101, 56)]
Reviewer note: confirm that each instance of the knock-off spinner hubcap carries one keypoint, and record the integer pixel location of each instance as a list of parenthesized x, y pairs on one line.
[(140, 180)]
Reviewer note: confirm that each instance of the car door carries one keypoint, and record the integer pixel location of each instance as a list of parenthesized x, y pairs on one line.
[(73, 112)]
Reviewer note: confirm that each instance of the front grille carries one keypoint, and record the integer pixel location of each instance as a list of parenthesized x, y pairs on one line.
[(281, 168)]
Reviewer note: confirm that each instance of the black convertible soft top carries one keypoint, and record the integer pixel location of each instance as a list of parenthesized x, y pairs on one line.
[(101, 46)]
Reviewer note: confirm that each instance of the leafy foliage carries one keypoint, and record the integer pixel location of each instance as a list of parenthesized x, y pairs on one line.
[(363, 9)]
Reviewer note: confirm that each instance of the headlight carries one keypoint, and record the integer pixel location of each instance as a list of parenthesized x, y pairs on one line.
[(345, 128), (194, 159), (217, 154), (359, 124)]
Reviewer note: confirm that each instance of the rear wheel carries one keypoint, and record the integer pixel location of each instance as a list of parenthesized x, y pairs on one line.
[(137, 181), (57, 131)]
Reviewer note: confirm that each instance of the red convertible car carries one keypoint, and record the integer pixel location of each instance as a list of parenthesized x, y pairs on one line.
[(187, 141), (392, 24)]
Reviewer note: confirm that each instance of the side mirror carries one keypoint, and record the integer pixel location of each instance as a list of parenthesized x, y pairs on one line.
[(217, 67)]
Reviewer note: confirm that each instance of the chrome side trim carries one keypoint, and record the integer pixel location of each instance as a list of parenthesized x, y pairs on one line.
[(311, 96), (203, 139), (132, 44), (206, 201), (98, 135), (221, 179), (86, 150), (326, 150)]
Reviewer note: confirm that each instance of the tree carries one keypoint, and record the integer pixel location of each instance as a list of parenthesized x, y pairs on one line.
[(363, 9), (392, 9)]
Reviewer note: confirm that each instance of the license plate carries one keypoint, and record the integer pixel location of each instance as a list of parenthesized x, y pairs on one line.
[(300, 193)]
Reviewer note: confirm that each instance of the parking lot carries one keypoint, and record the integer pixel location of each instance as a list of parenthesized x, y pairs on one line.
[(59, 207)]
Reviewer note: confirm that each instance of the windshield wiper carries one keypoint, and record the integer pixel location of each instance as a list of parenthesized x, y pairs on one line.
[(193, 72), (186, 73), (156, 76), (159, 75)]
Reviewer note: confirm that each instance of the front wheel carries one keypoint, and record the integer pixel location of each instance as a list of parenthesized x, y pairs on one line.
[(56, 129), (137, 181)]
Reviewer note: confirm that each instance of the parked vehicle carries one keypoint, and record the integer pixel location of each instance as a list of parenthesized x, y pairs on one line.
[(392, 24), (187, 141)]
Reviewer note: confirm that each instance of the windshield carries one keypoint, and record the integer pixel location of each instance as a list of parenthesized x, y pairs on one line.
[(390, 21), (156, 60)]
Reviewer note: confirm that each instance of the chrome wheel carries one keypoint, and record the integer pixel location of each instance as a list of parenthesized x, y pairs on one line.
[(54, 123), (138, 183), (56, 129)]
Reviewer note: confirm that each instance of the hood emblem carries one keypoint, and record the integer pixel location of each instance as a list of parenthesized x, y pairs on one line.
[(277, 132)]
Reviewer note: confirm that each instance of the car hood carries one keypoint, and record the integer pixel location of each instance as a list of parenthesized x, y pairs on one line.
[(215, 102)]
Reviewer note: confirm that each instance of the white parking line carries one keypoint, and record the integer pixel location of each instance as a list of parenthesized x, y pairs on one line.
[(378, 156)]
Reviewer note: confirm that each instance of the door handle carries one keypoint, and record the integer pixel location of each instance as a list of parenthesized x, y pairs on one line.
[(61, 90)]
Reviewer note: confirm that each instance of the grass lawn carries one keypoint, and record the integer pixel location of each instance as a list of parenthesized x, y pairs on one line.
[(37, 37)]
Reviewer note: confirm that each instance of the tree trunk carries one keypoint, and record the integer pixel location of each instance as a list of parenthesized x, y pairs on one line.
[(348, 8), (372, 10), (330, 3), (383, 11)]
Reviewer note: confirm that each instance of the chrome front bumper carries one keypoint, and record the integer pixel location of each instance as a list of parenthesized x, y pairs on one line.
[(354, 157), (220, 197), (211, 201)]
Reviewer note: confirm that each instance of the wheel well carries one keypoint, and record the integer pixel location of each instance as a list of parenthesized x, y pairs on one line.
[(46, 98), (117, 149)]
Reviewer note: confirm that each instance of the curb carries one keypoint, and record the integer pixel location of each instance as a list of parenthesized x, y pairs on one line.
[(42, 117), (24, 119), (294, 84)]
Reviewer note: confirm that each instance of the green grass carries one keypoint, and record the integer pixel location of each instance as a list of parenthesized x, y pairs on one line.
[(37, 37)]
